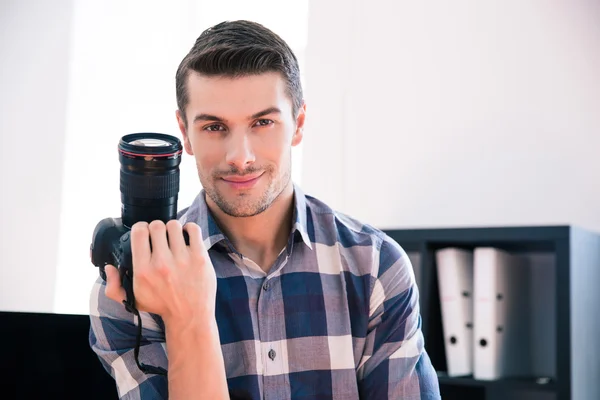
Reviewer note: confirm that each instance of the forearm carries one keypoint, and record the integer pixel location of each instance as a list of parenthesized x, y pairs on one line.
[(196, 366)]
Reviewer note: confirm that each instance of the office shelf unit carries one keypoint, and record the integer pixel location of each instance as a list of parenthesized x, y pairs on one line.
[(572, 279)]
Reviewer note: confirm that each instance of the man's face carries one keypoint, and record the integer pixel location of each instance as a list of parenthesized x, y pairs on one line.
[(240, 131)]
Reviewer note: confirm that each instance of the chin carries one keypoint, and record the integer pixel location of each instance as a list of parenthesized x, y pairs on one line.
[(244, 203), (244, 208)]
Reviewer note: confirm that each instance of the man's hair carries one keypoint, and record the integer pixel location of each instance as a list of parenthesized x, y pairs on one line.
[(235, 49)]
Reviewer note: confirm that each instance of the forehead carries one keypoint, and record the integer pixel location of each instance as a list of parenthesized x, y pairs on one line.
[(240, 96)]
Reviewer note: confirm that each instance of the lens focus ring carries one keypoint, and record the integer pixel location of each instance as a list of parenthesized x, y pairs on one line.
[(149, 186)]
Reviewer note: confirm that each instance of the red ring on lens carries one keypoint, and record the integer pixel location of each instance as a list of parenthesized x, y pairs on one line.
[(166, 155)]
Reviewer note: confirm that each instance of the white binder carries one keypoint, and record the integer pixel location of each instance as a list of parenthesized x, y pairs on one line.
[(501, 306), (415, 260), (455, 283)]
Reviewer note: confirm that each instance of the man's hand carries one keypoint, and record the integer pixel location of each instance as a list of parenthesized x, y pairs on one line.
[(173, 280), (178, 282)]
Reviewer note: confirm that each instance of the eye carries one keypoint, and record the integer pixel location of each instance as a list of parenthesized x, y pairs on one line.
[(264, 122), (214, 128)]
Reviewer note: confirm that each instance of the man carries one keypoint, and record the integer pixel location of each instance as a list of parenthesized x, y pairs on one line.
[(276, 295)]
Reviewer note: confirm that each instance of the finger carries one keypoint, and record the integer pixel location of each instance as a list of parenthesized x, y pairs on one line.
[(158, 237), (140, 244), (175, 234), (195, 234), (113, 289)]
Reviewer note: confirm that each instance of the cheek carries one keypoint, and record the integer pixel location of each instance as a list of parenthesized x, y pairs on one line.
[(206, 158), (281, 161), (274, 148)]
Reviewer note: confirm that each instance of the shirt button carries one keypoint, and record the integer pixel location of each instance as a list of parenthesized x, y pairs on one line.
[(272, 354), (266, 286)]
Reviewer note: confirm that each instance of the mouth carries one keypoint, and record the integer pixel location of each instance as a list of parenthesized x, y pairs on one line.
[(242, 182)]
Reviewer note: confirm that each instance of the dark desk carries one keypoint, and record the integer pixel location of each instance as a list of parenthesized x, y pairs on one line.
[(47, 356)]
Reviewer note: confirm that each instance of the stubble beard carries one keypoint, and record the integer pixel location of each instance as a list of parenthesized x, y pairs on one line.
[(244, 204)]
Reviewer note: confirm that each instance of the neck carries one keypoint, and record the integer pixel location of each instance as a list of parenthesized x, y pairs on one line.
[(260, 237)]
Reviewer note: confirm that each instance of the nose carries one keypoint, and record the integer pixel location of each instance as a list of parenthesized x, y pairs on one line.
[(239, 151)]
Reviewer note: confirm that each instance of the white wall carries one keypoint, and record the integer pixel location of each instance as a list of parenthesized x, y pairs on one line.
[(462, 113), (76, 76), (478, 113), (121, 80), (34, 54)]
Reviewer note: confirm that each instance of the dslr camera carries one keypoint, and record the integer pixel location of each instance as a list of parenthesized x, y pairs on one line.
[(149, 189)]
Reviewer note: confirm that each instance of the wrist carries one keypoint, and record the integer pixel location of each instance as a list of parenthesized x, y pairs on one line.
[(184, 313), (193, 345), (202, 322)]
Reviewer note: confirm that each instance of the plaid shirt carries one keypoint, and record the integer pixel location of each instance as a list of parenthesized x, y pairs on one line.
[(337, 317)]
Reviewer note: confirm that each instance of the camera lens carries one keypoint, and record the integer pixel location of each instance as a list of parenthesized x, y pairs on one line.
[(149, 142), (149, 177)]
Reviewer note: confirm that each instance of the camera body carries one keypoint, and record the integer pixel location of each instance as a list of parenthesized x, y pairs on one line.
[(111, 245), (149, 187)]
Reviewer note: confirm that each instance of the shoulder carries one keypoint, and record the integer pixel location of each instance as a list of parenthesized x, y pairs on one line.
[(196, 211), (367, 249), (189, 212)]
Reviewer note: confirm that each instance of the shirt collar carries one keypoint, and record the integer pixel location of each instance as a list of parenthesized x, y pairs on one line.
[(300, 216), (199, 213)]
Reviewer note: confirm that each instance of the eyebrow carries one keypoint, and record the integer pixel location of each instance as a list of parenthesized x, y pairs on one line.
[(209, 117), (270, 110)]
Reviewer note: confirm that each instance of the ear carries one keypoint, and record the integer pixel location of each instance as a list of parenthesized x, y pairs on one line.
[(182, 127), (299, 134)]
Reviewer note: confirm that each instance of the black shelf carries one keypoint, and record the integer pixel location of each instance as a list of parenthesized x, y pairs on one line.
[(575, 277), (529, 384)]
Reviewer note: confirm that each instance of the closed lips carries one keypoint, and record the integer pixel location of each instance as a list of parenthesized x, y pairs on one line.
[(240, 179)]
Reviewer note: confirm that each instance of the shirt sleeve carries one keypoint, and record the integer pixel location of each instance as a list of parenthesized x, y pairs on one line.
[(112, 337), (395, 364)]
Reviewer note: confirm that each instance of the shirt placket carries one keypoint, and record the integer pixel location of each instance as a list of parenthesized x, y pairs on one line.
[(271, 332)]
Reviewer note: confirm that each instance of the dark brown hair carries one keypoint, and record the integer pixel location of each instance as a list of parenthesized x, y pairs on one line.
[(235, 49)]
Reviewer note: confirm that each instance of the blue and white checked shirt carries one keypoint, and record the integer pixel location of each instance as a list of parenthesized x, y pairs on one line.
[(336, 317)]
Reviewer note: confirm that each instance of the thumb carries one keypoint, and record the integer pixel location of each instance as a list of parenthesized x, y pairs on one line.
[(113, 290)]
